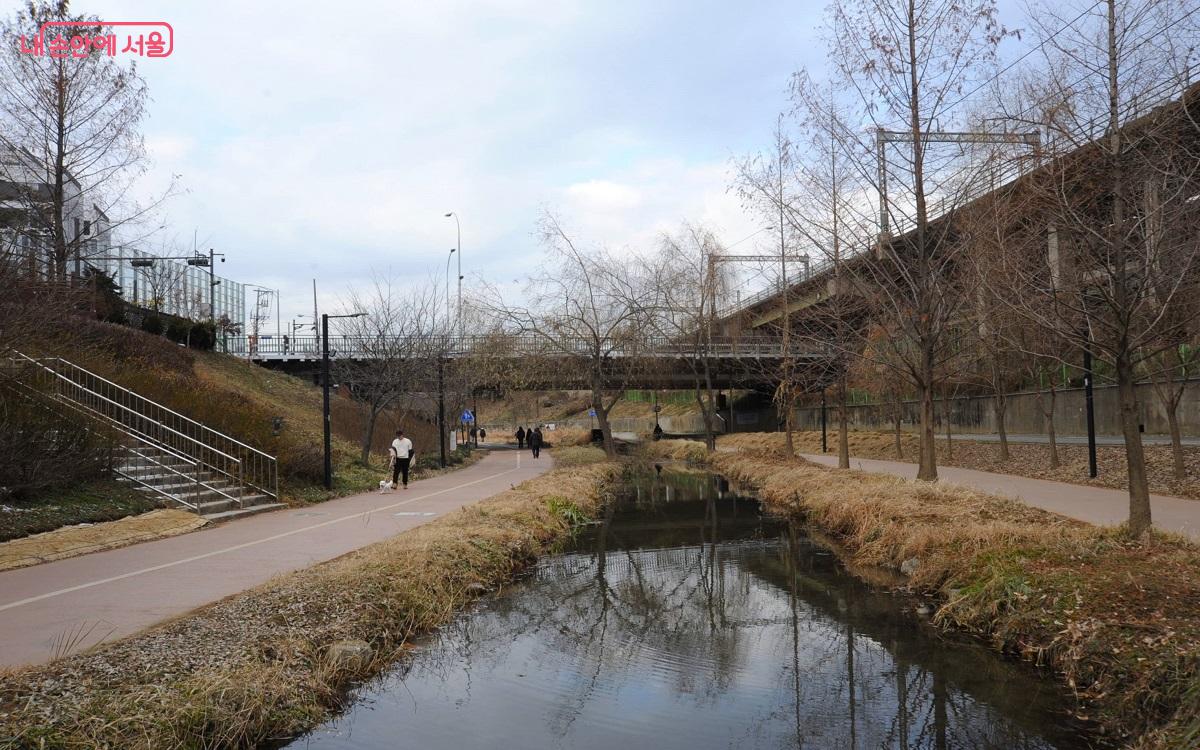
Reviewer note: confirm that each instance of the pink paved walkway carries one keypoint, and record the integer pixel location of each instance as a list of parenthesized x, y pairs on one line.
[(109, 595), (1098, 505)]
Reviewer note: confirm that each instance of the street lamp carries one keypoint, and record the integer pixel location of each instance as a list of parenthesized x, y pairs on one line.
[(200, 260), (325, 392), (448, 257), (458, 247)]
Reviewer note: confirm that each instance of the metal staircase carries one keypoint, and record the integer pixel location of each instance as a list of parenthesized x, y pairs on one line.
[(162, 452)]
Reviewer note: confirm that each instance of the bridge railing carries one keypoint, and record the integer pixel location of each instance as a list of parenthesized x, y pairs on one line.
[(453, 347)]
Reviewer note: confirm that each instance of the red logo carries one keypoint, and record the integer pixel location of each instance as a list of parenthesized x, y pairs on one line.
[(155, 43)]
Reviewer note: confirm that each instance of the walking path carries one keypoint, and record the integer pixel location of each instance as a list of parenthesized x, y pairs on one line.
[(1098, 505), (69, 605)]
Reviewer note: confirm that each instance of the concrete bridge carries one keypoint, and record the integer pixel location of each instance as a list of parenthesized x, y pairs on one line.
[(751, 362)]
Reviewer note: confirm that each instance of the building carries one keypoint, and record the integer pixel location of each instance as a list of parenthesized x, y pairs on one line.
[(172, 287)]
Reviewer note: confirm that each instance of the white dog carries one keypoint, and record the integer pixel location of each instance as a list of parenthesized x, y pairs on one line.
[(384, 486)]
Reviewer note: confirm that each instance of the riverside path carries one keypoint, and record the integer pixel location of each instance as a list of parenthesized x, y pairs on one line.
[(82, 601), (1097, 505)]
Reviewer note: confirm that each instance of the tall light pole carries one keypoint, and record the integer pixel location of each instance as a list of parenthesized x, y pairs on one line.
[(458, 247), (448, 257), (325, 392)]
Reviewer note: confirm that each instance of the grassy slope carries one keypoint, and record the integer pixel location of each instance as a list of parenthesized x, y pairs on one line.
[(1117, 619), (101, 500), (254, 666)]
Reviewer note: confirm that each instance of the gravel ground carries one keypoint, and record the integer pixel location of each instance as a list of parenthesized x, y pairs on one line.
[(254, 667)]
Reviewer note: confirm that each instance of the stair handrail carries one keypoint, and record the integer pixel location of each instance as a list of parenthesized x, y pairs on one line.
[(265, 470), (157, 405), (196, 480), (150, 442)]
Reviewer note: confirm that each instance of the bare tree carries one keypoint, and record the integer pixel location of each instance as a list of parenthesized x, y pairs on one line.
[(586, 308), (827, 213), (1169, 372), (1120, 262), (70, 144), (400, 338), (689, 284), (762, 182), (907, 64)]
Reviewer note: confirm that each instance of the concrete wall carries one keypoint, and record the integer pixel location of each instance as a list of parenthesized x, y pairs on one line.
[(976, 414)]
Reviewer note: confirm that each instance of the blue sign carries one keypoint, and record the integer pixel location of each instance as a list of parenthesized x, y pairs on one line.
[(467, 416), (592, 412)]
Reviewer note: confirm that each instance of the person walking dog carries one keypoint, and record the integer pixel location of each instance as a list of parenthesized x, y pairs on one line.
[(535, 441), (403, 449), (520, 437)]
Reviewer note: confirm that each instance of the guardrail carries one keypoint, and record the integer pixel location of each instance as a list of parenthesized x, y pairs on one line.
[(364, 347)]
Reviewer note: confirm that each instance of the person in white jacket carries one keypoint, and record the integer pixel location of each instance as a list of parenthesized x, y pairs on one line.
[(402, 456)]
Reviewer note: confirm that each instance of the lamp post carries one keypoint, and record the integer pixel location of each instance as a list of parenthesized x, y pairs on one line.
[(200, 260), (458, 247), (448, 257), (325, 392)]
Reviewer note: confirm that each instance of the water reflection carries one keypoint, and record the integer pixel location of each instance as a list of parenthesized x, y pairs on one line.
[(686, 619)]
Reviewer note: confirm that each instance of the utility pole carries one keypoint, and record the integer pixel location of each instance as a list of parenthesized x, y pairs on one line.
[(824, 444), (325, 394), (1090, 407), (442, 409)]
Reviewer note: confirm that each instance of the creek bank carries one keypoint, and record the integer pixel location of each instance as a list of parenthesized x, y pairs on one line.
[(1115, 618), (277, 660)]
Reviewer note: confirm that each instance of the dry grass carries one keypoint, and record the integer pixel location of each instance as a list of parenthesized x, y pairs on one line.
[(580, 455), (675, 450), (1025, 460), (1115, 618), (82, 539), (568, 436), (253, 667)]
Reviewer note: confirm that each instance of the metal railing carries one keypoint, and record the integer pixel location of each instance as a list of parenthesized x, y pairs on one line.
[(209, 451), (526, 345)]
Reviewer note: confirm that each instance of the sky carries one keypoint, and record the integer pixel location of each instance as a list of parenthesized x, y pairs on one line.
[(311, 144)]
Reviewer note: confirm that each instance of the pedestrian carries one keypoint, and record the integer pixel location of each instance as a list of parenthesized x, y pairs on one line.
[(520, 437), (482, 434), (404, 451), (535, 442), (475, 435)]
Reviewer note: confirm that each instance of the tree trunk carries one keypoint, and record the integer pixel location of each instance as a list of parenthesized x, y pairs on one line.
[(1048, 421), (602, 417), (369, 436), (711, 410), (1001, 405), (1135, 458), (787, 424), (843, 425), (710, 440), (1176, 441), (927, 463)]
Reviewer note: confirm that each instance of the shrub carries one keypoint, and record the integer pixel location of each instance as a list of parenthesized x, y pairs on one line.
[(178, 330), (204, 336), (153, 325)]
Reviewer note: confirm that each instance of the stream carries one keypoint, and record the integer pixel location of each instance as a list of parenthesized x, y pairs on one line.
[(686, 617)]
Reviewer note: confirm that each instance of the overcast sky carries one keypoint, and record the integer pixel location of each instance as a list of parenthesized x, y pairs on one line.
[(324, 140)]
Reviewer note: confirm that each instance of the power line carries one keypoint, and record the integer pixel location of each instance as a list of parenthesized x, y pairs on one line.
[(1028, 52)]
